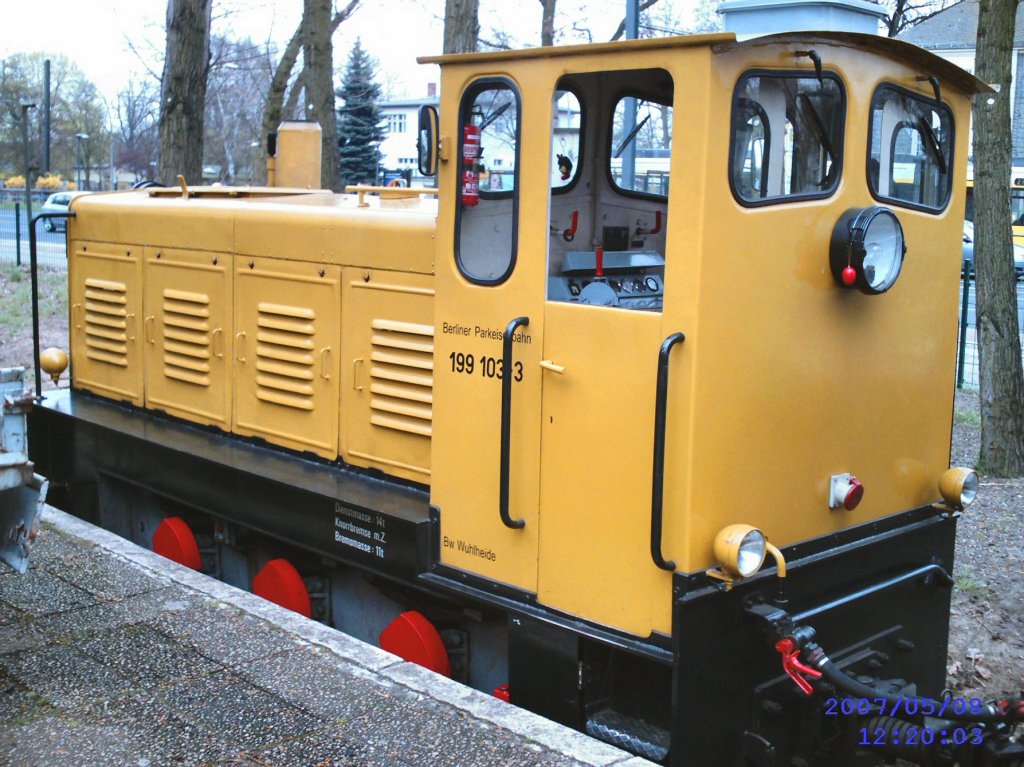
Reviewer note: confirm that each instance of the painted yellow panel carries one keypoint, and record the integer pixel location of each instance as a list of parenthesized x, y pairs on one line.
[(187, 331), (388, 371), (105, 289), (596, 441), (286, 351)]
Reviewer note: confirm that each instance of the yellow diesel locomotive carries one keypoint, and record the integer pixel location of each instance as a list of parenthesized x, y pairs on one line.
[(636, 416)]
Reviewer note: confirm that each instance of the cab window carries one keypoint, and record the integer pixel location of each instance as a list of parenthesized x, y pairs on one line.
[(910, 149), (786, 137), (488, 195), (566, 129), (641, 148)]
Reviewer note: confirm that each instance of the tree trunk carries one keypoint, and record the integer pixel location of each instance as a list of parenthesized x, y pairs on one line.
[(183, 90), (547, 22), (461, 25), (318, 55), (274, 111), (999, 348)]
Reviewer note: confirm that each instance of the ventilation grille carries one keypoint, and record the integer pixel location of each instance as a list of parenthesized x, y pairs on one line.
[(187, 337), (284, 355), (106, 322), (402, 376)]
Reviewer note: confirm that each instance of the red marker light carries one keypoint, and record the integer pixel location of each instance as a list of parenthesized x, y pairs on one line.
[(849, 275)]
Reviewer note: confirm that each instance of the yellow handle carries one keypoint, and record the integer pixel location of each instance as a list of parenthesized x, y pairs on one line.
[(218, 342), (325, 355), (549, 365), (76, 315), (149, 329), (240, 347), (130, 326), (356, 364)]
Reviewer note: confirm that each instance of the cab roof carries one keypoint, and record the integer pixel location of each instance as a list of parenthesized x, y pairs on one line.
[(723, 42)]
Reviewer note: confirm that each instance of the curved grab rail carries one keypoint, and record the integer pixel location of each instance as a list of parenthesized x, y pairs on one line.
[(658, 479), (506, 422)]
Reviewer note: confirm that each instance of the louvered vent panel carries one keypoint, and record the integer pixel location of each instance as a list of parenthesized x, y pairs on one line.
[(402, 376), (284, 355), (106, 322), (187, 337)]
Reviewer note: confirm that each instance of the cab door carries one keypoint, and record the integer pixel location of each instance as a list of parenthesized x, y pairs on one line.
[(604, 326), (490, 303)]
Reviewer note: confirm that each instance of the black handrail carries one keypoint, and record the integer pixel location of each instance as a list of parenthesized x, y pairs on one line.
[(34, 267), (658, 479), (506, 422)]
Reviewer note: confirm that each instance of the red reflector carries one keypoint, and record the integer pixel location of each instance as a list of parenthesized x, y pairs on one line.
[(174, 540), (412, 637), (502, 692), (279, 582)]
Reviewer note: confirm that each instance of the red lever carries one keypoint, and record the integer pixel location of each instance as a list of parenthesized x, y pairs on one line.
[(569, 234), (599, 262), (794, 667)]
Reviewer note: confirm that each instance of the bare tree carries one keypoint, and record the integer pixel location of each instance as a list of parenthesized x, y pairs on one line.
[(276, 109), (999, 348), (461, 25), (183, 90), (318, 76), (901, 14), (138, 108)]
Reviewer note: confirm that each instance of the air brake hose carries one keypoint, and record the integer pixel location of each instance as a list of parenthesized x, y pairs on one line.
[(816, 657)]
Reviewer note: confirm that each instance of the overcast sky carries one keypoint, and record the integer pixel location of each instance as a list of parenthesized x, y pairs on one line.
[(100, 35)]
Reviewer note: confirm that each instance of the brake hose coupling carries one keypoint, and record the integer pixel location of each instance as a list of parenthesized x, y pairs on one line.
[(789, 647)]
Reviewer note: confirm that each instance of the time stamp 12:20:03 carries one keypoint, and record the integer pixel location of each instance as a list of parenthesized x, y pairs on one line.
[(911, 735)]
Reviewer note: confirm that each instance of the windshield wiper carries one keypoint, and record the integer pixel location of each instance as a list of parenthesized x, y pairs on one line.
[(632, 135), (931, 143)]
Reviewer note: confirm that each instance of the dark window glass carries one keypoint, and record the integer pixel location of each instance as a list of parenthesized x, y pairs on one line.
[(911, 149), (787, 137)]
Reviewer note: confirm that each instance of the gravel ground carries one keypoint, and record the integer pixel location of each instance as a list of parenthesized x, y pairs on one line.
[(986, 643), (986, 638)]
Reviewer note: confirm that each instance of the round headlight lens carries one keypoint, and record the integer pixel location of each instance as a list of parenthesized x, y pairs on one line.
[(867, 249), (740, 549), (959, 487), (751, 553)]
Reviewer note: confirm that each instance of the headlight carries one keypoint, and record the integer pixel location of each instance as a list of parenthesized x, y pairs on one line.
[(740, 549), (959, 487), (867, 249)]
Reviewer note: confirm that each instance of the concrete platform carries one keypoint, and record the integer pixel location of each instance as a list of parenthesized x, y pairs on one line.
[(110, 654)]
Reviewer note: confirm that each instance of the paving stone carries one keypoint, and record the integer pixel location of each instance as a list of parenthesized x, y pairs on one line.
[(97, 573), (141, 608), (211, 628), (317, 681), (62, 676), (38, 592), (243, 714), (144, 655)]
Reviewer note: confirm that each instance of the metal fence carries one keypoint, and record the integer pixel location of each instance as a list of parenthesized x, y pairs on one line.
[(967, 350), (51, 245), (52, 248)]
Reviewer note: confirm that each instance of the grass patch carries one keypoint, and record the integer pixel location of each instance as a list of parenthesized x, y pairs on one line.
[(16, 297), (967, 418), (973, 588)]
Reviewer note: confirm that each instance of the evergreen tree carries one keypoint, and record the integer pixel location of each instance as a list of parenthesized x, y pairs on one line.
[(359, 130)]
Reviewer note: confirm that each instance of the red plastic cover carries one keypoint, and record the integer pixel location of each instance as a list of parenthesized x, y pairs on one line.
[(174, 540), (412, 637), (279, 582)]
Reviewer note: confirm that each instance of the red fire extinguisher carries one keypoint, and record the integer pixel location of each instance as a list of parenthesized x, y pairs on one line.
[(470, 153)]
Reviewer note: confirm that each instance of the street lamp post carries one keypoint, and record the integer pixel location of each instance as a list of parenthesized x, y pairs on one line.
[(80, 137)]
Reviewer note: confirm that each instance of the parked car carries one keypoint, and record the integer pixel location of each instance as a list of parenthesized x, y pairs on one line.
[(968, 253), (58, 202)]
